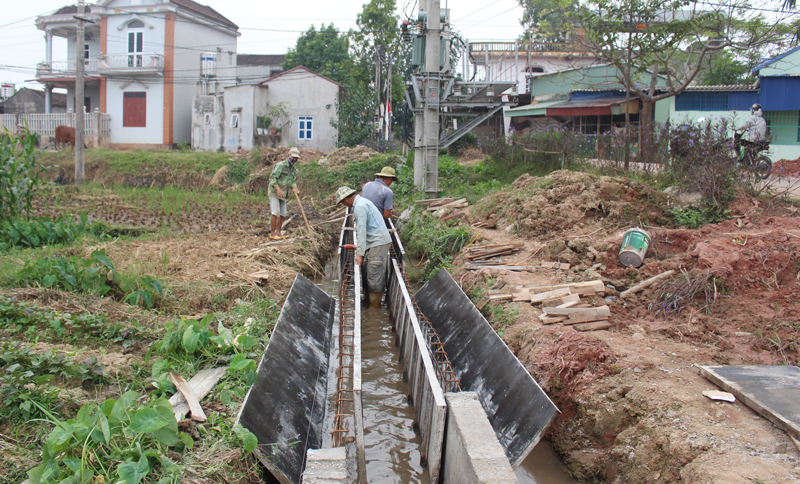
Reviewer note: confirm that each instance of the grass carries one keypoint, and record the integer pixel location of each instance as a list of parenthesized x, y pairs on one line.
[(139, 162)]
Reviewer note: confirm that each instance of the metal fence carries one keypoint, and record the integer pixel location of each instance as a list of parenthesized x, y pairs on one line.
[(97, 124)]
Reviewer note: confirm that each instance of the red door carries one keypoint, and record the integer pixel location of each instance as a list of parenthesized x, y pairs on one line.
[(134, 110)]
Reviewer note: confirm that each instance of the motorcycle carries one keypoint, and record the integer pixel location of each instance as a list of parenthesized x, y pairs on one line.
[(747, 155)]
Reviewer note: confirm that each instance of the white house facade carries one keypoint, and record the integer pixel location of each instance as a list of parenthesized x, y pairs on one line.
[(142, 64)]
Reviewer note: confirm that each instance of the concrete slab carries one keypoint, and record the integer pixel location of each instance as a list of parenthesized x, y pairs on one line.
[(772, 391), (472, 453), (286, 406), (518, 409), (327, 466)]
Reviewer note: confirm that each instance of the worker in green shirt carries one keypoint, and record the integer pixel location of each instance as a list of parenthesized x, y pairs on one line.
[(282, 178)]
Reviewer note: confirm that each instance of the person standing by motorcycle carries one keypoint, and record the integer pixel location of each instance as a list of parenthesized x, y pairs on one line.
[(755, 128)]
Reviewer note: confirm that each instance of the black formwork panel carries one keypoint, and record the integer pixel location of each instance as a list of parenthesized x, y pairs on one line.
[(518, 409), (285, 408)]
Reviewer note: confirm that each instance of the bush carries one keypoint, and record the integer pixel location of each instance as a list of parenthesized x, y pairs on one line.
[(20, 177), (95, 275), (39, 232), (434, 242), (239, 171)]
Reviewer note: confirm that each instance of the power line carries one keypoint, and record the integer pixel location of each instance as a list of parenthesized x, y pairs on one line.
[(490, 18), (476, 11)]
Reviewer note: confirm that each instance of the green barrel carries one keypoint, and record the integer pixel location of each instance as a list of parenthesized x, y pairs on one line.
[(634, 246)]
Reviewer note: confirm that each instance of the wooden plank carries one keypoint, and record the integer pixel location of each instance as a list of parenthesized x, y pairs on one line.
[(545, 319), (555, 265), (586, 318), (601, 310), (191, 399), (543, 296), (645, 284), (482, 303), (525, 268), (500, 297), (200, 384), (581, 288), (521, 297), (567, 304), (555, 302), (431, 201), (595, 326)]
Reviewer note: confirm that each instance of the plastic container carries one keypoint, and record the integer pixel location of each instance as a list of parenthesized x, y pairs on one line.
[(635, 242)]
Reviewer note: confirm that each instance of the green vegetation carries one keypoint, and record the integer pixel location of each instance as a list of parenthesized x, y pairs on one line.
[(42, 231), (695, 217), (20, 175), (143, 163), (93, 275), (432, 241)]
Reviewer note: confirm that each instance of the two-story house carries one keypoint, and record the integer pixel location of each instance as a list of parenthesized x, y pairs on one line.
[(143, 62)]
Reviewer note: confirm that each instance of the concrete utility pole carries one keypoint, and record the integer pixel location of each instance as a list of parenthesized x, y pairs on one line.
[(426, 122), (378, 87), (388, 97), (79, 94)]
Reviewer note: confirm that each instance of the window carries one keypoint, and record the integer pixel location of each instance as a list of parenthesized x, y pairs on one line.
[(87, 105), (134, 109), (86, 51), (207, 118), (305, 130), (234, 120), (135, 44)]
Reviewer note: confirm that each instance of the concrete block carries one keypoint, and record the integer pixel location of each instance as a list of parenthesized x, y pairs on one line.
[(472, 453), (326, 466)]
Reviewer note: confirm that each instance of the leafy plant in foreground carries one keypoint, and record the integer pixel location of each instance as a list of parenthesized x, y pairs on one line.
[(117, 441)]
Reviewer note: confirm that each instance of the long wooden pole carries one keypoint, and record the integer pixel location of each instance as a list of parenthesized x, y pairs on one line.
[(310, 230)]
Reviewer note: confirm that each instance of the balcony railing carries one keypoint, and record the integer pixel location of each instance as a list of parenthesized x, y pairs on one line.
[(122, 63), (522, 47), (64, 68)]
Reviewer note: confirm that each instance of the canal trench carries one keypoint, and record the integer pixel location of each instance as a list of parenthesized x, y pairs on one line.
[(350, 394), (391, 440)]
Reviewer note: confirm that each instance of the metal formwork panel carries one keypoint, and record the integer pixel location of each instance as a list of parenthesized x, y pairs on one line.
[(430, 407), (285, 407), (518, 409)]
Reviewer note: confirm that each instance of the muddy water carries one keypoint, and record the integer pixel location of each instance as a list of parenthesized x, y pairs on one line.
[(542, 466), (392, 445)]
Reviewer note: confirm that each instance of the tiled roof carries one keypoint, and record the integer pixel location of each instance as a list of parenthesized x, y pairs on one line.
[(204, 10), (259, 60), (747, 87)]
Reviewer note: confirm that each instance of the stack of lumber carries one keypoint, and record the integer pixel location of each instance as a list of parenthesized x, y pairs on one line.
[(561, 303), (442, 207), (477, 265), (488, 251)]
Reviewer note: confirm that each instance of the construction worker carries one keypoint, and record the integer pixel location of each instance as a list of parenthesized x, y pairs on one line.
[(379, 193), (282, 178), (372, 242)]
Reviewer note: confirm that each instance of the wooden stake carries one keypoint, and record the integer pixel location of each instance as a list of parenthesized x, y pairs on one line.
[(191, 399), (645, 284)]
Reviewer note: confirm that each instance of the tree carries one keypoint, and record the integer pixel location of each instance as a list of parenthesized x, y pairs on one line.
[(324, 51), (354, 110)]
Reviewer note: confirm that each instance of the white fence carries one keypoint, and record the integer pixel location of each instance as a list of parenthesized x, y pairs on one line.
[(97, 124)]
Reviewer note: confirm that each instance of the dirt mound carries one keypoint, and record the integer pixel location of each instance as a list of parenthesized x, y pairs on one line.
[(787, 167), (270, 156), (566, 199), (344, 155)]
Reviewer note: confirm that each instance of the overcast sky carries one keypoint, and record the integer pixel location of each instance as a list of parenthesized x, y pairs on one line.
[(22, 45)]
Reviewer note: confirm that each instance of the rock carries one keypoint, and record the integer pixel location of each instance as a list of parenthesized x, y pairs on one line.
[(555, 247), (579, 245), (569, 257), (591, 275)]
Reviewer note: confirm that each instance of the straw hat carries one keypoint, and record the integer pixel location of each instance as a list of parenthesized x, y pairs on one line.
[(342, 193), (387, 172), (294, 153)]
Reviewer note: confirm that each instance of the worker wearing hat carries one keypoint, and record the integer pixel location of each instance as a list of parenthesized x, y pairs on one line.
[(372, 242), (282, 178), (379, 193)]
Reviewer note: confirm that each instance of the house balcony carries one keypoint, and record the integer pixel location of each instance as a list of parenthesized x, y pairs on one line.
[(481, 50), (127, 64), (65, 69)]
